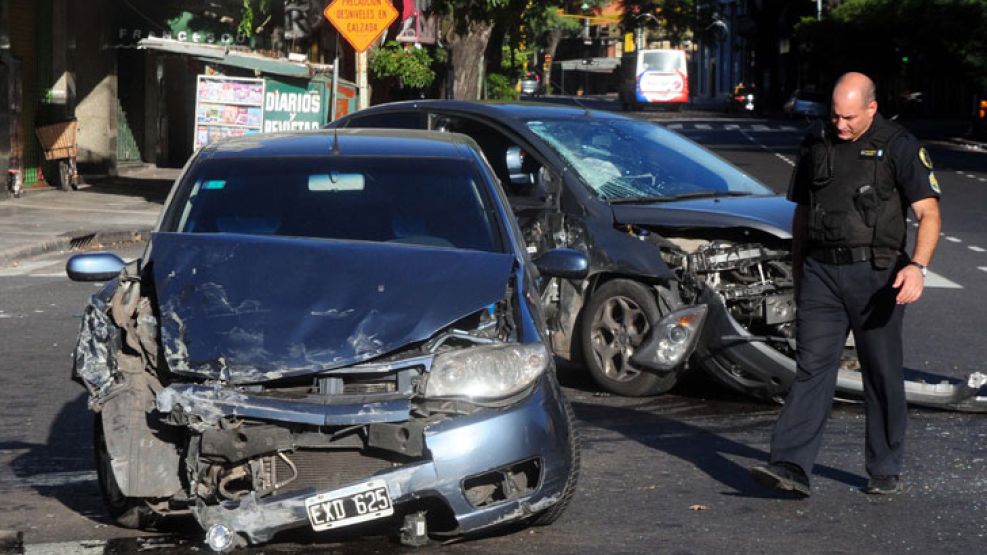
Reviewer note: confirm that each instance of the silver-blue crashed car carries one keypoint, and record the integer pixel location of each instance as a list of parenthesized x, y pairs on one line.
[(329, 329)]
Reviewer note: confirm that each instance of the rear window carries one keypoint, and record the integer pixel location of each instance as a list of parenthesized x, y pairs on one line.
[(434, 202)]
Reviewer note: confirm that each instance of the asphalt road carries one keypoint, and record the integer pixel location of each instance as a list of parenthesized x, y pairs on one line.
[(665, 475)]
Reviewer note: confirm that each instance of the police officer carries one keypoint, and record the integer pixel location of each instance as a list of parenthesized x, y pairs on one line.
[(852, 185)]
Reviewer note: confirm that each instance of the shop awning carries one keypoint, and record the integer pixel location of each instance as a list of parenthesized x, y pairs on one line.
[(225, 55)]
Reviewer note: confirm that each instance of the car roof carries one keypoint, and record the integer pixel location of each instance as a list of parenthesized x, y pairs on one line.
[(500, 110), (343, 142)]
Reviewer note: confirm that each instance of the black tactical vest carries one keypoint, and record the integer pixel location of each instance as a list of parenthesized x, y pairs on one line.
[(854, 201)]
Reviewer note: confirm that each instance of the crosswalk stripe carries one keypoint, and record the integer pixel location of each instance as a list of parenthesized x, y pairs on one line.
[(933, 279), (674, 126), (759, 127), (975, 248), (704, 126)]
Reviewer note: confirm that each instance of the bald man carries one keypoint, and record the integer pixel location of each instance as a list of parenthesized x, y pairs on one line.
[(853, 184)]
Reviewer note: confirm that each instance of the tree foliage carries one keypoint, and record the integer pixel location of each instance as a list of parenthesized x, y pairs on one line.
[(903, 38), (411, 66)]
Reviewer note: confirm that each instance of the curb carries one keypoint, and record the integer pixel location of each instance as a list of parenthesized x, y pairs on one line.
[(969, 143), (72, 241)]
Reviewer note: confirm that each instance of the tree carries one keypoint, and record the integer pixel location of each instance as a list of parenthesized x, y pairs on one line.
[(466, 29)]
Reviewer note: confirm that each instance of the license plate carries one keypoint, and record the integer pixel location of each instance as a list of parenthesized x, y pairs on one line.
[(352, 505)]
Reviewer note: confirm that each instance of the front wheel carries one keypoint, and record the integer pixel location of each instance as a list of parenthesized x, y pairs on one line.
[(129, 512), (616, 321)]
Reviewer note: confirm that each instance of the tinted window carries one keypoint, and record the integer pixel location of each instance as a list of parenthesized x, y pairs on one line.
[(435, 202), (389, 120)]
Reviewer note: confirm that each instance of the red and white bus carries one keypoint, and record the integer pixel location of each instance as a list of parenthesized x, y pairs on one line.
[(655, 76)]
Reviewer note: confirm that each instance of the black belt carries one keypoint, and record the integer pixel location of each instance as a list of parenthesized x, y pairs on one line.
[(841, 255)]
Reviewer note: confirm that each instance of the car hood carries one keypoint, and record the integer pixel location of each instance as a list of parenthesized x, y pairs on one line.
[(249, 309), (772, 214)]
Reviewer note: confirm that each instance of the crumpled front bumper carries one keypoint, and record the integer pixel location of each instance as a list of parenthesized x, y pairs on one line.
[(459, 447), (751, 365)]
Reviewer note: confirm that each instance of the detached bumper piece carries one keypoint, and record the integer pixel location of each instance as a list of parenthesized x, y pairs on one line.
[(261, 465)]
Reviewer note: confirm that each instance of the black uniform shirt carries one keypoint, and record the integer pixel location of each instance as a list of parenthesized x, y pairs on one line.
[(910, 161)]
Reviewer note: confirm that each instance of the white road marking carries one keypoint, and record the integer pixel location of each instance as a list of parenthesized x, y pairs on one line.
[(92, 547), (960, 172), (731, 127), (703, 126), (981, 268), (674, 126), (971, 176), (24, 268), (933, 279), (760, 127), (788, 128), (765, 147), (975, 248), (954, 240)]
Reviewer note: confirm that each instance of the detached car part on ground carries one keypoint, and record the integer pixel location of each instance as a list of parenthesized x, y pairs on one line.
[(690, 258), (329, 329)]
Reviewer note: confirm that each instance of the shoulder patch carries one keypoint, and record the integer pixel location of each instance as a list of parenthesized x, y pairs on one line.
[(923, 156), (934, 183)]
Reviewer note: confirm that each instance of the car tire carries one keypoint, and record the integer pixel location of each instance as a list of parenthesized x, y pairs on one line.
[(616, 320), (551, 514), (129, 512)]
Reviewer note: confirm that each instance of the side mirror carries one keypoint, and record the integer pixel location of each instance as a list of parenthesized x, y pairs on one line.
[(94, 266), (563, 263)]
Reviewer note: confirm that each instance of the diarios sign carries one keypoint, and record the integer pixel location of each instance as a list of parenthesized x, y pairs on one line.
[(361, 21)]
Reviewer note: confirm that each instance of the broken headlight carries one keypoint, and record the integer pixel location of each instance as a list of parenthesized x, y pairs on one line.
[(486, 372), (672, 339)]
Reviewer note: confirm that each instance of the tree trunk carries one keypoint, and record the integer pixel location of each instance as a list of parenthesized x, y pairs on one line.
[(553, 44), (466, 56)]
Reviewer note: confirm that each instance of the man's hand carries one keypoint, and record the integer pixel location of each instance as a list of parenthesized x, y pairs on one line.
[(911, 282)]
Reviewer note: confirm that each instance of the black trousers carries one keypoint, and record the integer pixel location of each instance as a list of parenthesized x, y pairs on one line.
[(832, 300)]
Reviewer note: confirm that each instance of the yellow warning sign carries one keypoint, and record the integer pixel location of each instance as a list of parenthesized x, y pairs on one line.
[(360, 22)]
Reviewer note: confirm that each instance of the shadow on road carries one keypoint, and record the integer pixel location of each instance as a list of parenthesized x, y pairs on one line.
[(151, 190), (708, 451), (63, 467)]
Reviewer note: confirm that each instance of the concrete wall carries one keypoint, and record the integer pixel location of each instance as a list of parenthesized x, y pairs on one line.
[(92, 59)]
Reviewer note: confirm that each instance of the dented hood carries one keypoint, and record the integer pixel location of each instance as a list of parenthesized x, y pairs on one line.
[(772, 214), (249, 309)]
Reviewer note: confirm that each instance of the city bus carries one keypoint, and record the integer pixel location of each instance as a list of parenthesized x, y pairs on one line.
[(654, 76)]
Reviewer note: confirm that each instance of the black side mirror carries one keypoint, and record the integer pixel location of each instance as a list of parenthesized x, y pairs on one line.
[(563, 263), (94, 266)]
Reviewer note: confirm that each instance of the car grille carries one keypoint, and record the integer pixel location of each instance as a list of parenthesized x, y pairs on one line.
[(327, 469)]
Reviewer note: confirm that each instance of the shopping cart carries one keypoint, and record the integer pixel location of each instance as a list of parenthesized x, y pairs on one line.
[(58, 141)]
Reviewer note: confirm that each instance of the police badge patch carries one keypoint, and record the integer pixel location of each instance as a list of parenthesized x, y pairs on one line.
[(923, 156), (934, 183)]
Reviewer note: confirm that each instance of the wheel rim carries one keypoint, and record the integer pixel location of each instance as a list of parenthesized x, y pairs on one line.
[(619, 327)]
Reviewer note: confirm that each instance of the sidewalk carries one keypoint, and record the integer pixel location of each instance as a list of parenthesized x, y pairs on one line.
[(105, 210)]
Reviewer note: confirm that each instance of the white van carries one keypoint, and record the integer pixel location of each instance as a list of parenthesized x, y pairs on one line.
[(656, 76)]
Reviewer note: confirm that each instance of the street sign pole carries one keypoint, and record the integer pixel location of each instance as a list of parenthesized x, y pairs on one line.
[(361, 80)]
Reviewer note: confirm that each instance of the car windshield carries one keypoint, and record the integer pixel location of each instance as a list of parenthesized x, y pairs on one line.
[(667, 62), (435, 202), (626, 160)]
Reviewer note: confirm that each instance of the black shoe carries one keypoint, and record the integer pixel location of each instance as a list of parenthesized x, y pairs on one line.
[(782, 476), (883, 485)]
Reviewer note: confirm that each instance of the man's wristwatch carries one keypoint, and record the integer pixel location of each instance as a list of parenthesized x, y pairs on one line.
[(921, 268)]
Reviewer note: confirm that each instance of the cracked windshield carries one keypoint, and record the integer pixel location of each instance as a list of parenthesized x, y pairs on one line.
[(627, 161)]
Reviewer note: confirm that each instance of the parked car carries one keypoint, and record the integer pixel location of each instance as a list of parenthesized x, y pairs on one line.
[(809, 104), (327, 329), (690, 262)]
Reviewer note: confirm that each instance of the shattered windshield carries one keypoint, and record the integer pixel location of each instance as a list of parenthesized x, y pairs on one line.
[(625, 160), (433, 202)]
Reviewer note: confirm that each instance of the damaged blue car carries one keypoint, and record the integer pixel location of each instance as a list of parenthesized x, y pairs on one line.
[(329, 329)]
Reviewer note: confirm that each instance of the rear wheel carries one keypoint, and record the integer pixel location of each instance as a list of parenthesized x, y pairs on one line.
[(129, 512), (616, 322), (65, 175)]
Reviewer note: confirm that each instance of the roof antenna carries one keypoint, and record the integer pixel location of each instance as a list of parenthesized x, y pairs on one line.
[(335, 141)]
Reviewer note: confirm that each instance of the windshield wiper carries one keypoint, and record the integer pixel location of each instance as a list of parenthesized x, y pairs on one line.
[(680, 196)]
